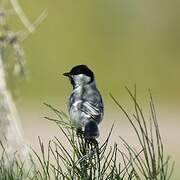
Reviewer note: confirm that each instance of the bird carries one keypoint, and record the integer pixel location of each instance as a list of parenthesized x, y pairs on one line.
[(85, 104)]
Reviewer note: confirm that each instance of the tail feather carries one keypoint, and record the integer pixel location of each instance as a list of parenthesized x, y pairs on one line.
[(91, 130)]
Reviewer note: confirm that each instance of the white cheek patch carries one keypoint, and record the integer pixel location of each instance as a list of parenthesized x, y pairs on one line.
[(81, 78)]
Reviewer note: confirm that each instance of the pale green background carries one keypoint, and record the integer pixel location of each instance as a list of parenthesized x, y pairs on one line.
[(125, 42)]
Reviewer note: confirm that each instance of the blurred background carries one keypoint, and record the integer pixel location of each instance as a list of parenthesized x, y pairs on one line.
[(124, 42)]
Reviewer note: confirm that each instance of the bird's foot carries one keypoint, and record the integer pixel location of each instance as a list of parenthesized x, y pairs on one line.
[(92, 141)]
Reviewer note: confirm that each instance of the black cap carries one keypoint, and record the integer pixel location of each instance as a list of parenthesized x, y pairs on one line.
[(80, 69)]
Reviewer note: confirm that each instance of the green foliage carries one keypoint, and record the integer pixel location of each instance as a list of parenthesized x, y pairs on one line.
[(14, 168), (73, 157), (152, 162), (84, 159)]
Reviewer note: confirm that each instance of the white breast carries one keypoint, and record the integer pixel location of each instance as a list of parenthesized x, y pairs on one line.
[(78, 117)]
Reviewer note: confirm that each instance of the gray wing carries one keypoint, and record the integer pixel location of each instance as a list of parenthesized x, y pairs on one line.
[(93, 108)]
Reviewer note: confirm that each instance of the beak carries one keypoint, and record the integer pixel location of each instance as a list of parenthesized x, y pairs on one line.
[(67, 74)]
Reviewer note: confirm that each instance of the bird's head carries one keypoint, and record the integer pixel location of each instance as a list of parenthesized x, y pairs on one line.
[(80, 75)]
